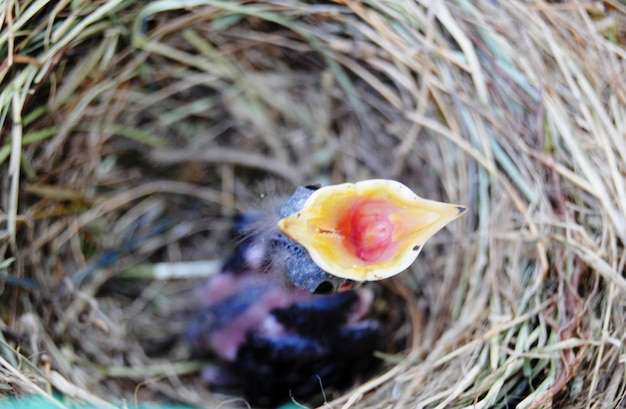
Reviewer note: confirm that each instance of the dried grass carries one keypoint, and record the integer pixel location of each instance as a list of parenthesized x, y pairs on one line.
[(131, 131)]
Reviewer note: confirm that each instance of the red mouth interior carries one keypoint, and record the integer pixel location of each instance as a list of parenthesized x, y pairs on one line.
[(368, 230)]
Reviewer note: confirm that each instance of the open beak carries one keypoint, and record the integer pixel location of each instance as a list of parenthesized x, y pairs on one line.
[(368, 230)]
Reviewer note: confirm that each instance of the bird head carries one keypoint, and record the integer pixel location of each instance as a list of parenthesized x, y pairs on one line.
[(366, 231)]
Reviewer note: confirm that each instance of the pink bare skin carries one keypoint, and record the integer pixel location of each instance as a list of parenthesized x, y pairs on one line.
[(226, 341)]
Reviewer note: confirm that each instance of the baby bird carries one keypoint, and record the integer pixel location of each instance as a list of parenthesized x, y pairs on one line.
[(284, 315), (277, 341)]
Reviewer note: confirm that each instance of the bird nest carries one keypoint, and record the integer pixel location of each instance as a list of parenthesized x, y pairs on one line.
[(133, 131)]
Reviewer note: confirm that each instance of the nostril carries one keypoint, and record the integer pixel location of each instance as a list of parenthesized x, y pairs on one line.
[(325, 288)]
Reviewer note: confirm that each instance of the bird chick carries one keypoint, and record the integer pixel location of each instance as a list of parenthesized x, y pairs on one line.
[(276, 340), (278, 343), (283, 314)]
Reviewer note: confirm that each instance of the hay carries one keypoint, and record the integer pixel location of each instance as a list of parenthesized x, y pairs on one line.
[(131, 131)]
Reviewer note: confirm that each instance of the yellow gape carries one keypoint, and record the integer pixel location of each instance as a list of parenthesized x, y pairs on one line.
[(368, 230)]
